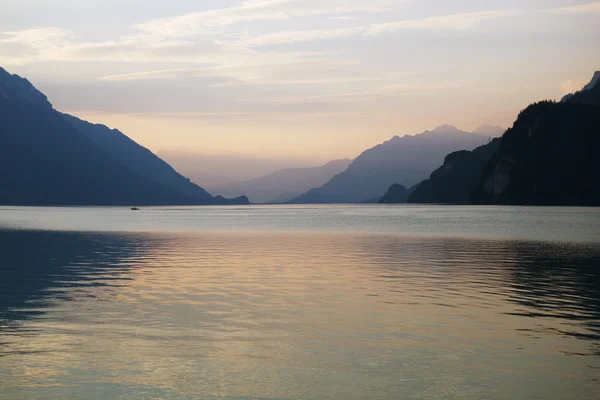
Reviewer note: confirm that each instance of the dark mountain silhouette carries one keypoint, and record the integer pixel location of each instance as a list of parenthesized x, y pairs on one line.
[(592, 84), (454, 181), (584, 94), (395, 194), (138, 158), (46, 161), (17, 88), (283, 185), (549, 156), (404, 160)]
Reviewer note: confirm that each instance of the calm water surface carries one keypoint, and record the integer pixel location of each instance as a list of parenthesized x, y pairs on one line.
[(285, 302)]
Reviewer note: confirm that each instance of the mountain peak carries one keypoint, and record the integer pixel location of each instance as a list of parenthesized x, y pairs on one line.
[(591, 85), (15, 87), (593, 82), (341, 161), (445, 128)]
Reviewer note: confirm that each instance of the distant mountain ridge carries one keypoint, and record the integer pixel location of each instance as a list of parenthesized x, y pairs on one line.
[(46, 160), (490, 130), (216, 171), (404, 160), (283, 185)]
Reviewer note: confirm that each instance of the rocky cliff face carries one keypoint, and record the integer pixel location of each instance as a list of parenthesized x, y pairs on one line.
[(549, 157), (594, 82), (454, 181)]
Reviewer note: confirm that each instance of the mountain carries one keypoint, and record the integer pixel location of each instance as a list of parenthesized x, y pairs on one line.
[(283, 185), (405, 160), (549, 156), (20, 89), (45, 160), (585, 92), (590, 94), (142, 161), (593, 83), (215, 171), (454, 181), (490, 131), (395, 194)]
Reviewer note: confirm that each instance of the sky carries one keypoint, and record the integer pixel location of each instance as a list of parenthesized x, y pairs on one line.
[(310, 79)]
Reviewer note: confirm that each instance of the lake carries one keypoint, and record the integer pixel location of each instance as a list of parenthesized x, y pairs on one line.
[(300, 302)]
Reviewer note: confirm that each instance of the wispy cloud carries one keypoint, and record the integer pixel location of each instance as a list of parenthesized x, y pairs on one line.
[(195, 37), (258, 10), (579, 9), (287, 37), (346, 18), (448, 22), (194, 45), (200, 117), (54, 44), (301, 71), (198, 37), (390, 89), (40, 43), (36, 37)]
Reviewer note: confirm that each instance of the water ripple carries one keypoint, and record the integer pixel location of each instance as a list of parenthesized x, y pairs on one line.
[(302, 316)]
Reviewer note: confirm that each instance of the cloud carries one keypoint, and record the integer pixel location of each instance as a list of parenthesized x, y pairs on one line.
[(345, 18), (392, 89), (288, 37), (36, 44), (302, 70), (150, 75), (448, 22), (55, 44), (197, 38), (195, 44), (37, 37), (212, 21), (579, 9), (187, 38), (227, 117)]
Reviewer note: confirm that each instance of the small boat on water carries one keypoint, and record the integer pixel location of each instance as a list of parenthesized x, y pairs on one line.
[(134, 209)]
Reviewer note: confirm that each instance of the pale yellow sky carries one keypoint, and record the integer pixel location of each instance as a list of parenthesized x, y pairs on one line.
[(300, 78)]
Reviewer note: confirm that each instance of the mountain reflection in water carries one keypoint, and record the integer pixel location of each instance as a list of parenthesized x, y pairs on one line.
[(296, 315)]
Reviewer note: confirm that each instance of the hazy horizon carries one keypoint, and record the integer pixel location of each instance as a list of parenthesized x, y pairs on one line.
[(301, 79), (213, 171)]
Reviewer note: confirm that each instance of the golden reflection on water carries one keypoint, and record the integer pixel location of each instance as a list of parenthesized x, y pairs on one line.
[(304, 316)]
